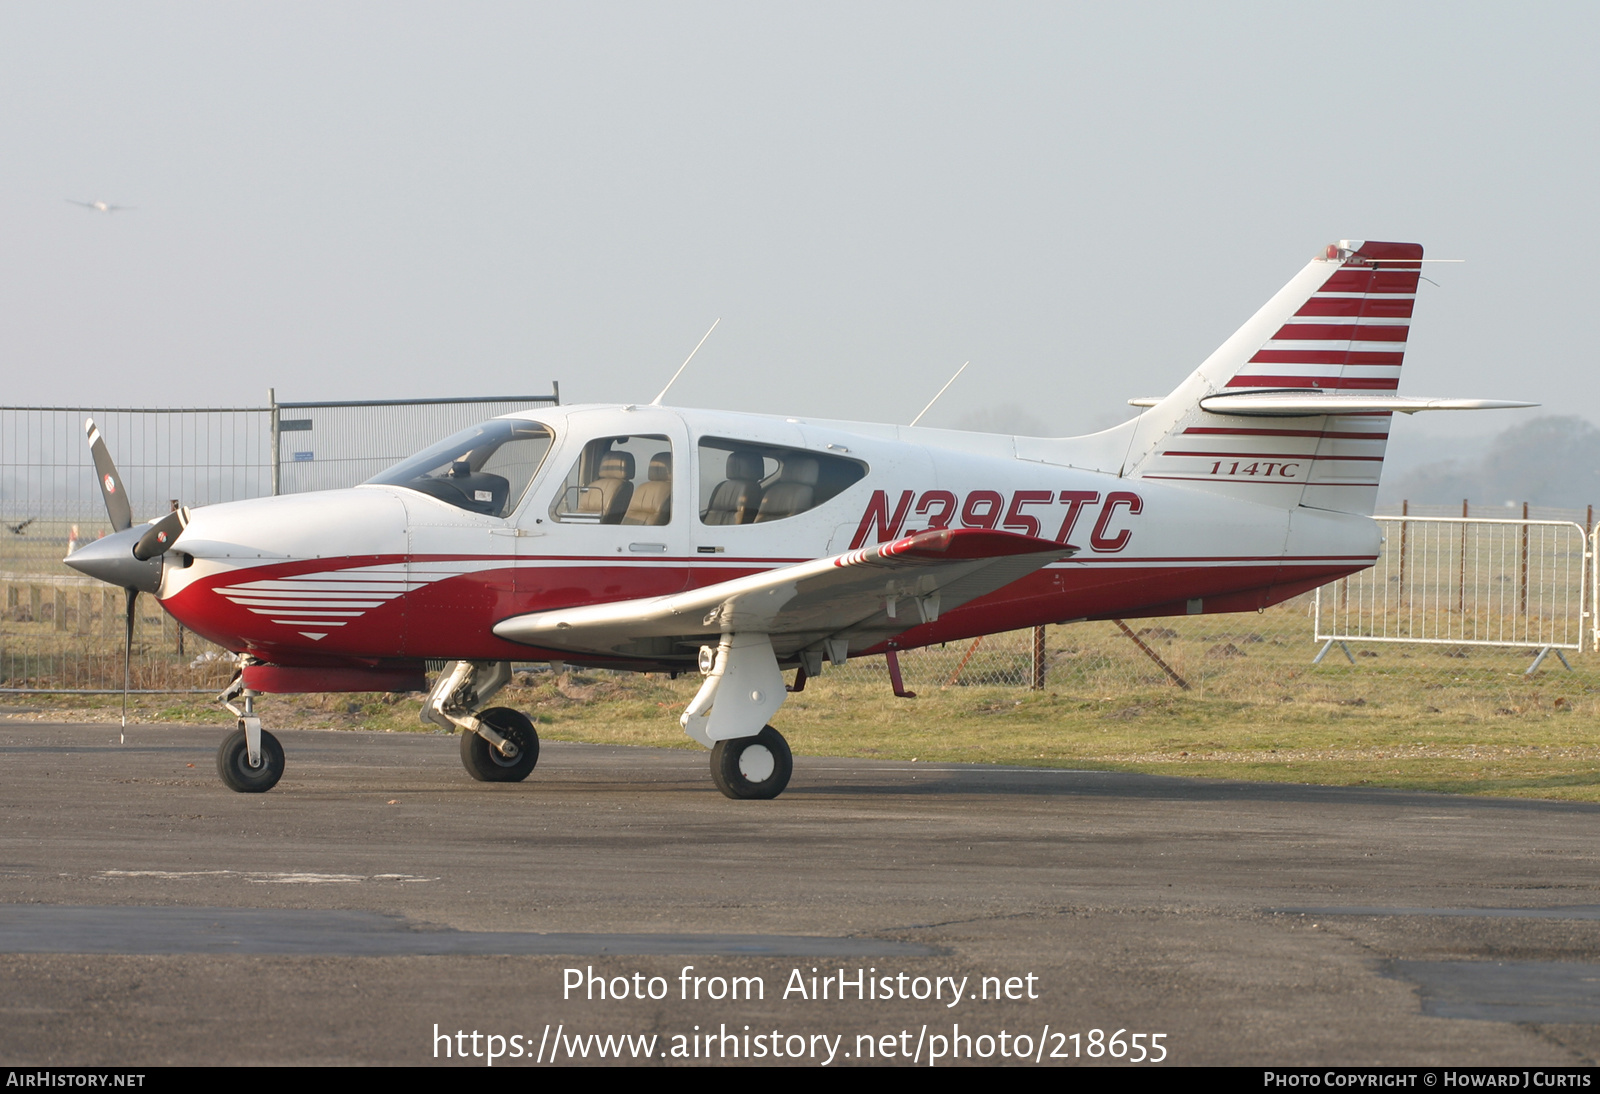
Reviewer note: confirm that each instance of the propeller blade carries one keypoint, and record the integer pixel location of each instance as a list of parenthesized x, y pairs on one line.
[(162, 534), (127, 654), (116, 497)]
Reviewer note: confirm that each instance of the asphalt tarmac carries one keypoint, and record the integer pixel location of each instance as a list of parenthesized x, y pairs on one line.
[(381, 907)]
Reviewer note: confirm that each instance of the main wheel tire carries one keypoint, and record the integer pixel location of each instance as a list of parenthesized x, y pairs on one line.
[(752, 767), (484, 762), (233, 763)]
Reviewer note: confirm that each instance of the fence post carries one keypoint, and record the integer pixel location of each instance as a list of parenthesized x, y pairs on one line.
[(1461, 586), (1405, 510), (272, 412), (1522, 591), (1038, 658), (1592, 551), (1589, 549)]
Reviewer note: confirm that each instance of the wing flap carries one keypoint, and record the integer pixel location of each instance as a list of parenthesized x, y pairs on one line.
[(876, 591)]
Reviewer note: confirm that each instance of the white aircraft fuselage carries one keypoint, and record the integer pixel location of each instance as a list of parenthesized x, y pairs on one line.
[(382, 574)]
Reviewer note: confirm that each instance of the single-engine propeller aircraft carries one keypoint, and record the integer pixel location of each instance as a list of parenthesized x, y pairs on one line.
[(659, 539)]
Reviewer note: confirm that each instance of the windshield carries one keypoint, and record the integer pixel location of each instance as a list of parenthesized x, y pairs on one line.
[(484, 469)]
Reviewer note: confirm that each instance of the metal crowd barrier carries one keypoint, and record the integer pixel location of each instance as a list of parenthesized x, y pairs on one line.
[(1467, 581)]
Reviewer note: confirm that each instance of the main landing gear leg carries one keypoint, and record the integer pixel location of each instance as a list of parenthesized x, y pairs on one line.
[(250, 759), (743, 688), (498, 745)]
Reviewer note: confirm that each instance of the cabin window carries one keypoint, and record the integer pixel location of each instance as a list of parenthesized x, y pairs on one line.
[(483, 469), (618, 480), (742, 482)]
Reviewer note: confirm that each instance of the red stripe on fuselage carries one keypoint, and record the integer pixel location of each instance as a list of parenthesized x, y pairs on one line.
[(1231, 480), (1270, 456), (452, 617)]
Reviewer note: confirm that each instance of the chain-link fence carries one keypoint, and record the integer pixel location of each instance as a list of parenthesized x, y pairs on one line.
[(61, 631)]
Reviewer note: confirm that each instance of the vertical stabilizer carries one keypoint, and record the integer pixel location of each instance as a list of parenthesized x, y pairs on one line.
[(1339, 326)]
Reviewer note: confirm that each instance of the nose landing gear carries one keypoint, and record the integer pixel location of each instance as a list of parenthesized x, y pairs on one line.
[(237, 770), (250, 759)]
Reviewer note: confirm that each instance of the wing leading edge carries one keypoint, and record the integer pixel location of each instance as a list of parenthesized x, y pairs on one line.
[(858, 598)]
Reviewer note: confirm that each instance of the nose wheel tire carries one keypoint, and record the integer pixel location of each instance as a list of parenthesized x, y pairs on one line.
[(486, 763), (752, 767), (233, 763)]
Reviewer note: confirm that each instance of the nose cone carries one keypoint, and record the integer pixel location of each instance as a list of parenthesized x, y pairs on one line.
[(111, 560)]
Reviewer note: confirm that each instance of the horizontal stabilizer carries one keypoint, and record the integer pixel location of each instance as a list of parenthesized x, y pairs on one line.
[(862, 597), (1303, 404)]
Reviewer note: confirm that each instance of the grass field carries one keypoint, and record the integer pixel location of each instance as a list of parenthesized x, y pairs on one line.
[(1454, 719)]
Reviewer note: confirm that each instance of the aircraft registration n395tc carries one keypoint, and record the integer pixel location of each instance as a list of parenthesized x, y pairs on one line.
[(659, 539)]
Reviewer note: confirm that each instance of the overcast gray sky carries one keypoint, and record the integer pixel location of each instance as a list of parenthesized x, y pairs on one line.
[(401, 199)]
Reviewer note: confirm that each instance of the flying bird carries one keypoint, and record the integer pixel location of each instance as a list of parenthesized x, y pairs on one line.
[(101, 206), (18, 528)]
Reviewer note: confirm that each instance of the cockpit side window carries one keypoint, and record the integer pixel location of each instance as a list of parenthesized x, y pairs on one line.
[(483, 469), (618, 480), (747, 483)]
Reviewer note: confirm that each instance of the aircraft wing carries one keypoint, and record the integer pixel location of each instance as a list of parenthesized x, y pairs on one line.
[(860, 597)]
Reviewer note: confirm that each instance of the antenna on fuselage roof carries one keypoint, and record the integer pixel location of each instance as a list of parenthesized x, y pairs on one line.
[(942, 390), (657, 400)]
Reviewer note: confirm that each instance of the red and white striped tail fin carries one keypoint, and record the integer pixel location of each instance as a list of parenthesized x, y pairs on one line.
[(1328, 347), (1350, 333)]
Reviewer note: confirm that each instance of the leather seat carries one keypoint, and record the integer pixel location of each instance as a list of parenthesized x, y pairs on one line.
[(652, 501), (608, 495), (794, 492), (737, 498)]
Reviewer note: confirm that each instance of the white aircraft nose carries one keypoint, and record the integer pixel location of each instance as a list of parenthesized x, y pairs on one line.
[(328, 524)]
